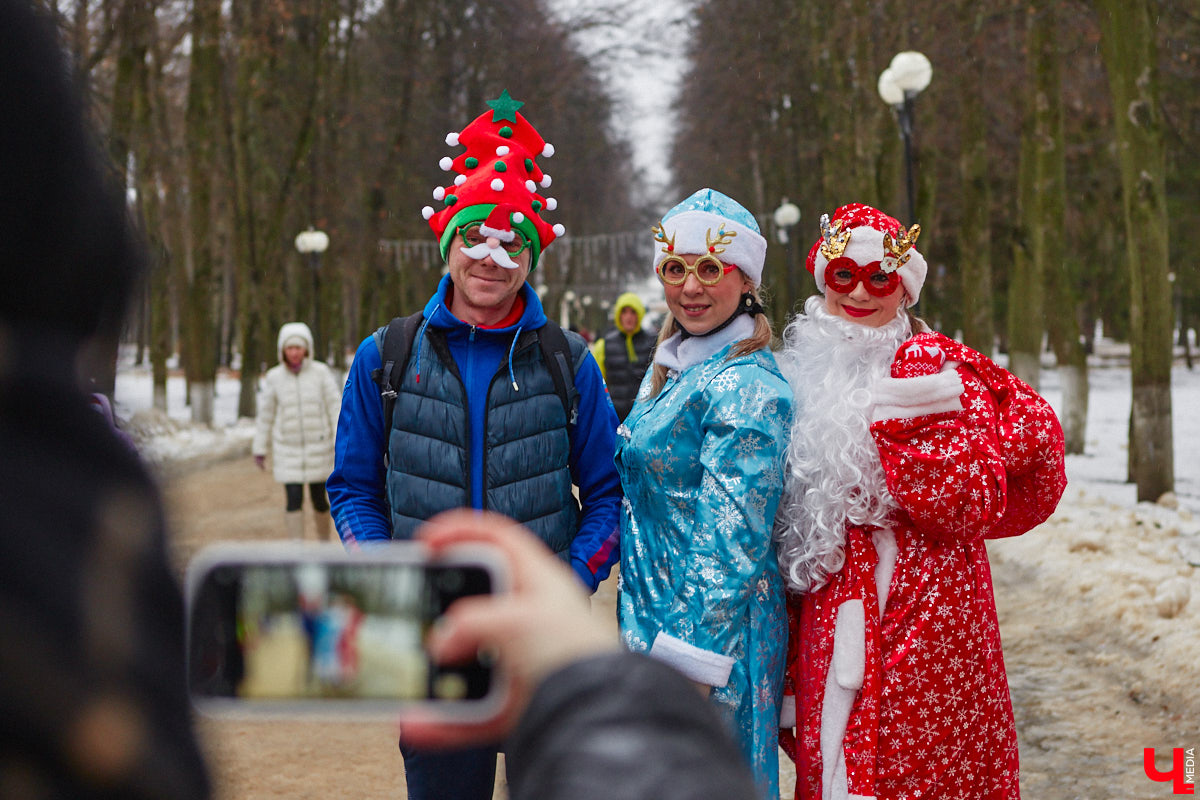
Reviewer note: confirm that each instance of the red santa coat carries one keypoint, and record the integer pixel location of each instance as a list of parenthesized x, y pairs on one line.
[(897, 657)]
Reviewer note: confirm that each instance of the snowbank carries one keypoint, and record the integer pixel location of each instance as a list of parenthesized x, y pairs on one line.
[(171, 441), (1134, 571)]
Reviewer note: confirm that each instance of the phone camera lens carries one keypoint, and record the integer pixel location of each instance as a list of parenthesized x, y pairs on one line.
[(451, 581)]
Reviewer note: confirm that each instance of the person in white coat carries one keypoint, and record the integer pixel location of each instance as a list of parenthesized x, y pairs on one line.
[(298, 408)]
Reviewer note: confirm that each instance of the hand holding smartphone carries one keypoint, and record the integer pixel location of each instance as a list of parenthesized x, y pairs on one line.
[(543, 623), (451, 633)]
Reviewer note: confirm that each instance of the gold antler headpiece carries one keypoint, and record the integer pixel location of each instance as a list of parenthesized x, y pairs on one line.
[(833, 238), (724, 238), (661, 236), (896, 253)]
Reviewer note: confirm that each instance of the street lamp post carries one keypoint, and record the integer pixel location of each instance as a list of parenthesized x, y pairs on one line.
[(786, 217), (313, 243), (899, 84), (564, 309)]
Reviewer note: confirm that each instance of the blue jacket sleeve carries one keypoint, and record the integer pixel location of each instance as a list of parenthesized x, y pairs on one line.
[(595, 548), (357, 484)]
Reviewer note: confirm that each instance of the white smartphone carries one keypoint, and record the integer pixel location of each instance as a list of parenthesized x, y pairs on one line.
[(293, 629)]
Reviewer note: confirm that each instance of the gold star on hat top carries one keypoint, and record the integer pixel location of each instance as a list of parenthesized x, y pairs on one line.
[(497, 181)]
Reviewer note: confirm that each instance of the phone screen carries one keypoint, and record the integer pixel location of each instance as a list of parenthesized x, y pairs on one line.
[(313, 630)]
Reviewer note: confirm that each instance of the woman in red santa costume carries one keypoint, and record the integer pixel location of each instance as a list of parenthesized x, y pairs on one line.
[(907, 451)]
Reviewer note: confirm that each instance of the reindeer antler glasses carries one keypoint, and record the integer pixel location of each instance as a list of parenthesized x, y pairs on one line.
[(708, 269)]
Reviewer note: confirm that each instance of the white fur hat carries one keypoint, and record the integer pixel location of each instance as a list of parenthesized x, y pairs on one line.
[(693, 226)]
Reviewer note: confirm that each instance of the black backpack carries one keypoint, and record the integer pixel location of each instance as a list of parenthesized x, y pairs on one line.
[(402, 331)]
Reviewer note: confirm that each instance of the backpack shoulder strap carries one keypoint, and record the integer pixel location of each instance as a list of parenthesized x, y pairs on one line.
[(557, 354), (395, 343)]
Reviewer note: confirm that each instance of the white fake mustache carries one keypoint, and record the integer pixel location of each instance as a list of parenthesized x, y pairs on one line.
[(498, 254)]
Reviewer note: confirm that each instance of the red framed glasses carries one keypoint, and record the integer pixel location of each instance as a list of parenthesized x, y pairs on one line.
[(843, 274)]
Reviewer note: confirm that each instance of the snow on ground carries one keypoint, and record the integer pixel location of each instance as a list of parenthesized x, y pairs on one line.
[(1132, 565)]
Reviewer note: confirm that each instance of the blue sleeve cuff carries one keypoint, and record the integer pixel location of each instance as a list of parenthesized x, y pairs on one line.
[(584, 574)]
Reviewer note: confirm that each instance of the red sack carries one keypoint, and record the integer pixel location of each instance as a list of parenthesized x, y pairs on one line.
[(1031, 439)]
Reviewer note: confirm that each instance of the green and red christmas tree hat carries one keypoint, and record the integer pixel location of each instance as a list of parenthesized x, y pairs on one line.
[(497, 181)]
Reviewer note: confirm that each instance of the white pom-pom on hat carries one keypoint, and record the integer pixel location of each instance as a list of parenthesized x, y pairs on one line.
[(439, 193), (531, 186), (452, 138), (558, 229), (548, 150), (460, 180), (518, 218), (502, 150), (497, 185), (546, 181), (446, 163), (427, 212), (551, 204)]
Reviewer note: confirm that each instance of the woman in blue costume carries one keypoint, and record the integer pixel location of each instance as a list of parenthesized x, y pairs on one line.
[(701, 462)]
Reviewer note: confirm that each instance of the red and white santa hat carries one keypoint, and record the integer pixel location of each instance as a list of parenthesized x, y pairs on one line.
[(865, 235), (497, 180)]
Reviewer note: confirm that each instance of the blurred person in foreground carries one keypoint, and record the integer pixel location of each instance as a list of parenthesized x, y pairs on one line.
[(584, 718), (298, 408), (908, 450), (480, 401), (701, 460), (624, 352), (92, 690)]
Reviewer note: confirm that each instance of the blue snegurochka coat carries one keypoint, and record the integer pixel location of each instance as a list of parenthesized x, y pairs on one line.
[(701, 465)]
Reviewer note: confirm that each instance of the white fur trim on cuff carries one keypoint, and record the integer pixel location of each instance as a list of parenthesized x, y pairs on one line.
[(787, 711), (702, 666), (850, 645), (900, 398)]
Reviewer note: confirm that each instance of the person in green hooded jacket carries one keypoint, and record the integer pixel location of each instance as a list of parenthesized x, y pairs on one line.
[(624, 352)]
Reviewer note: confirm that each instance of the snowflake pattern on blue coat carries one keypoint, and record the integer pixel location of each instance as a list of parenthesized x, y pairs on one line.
[(702, 469)]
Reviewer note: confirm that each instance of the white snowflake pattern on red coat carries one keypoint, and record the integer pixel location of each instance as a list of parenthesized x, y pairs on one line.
[(933, 717)]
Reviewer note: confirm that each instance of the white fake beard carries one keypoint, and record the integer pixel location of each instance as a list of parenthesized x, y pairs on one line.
[(498, 254), (833, 476)]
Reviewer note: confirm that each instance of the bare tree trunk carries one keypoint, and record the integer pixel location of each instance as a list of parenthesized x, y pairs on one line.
[(164, 217), (1050, 196), (203, 164), (1130, 57), (1025, 298), (975, 234)]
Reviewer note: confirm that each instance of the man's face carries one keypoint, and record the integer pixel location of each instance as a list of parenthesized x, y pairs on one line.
[(483, 290), (629, 320)]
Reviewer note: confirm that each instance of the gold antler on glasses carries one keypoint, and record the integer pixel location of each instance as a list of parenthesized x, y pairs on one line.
[(833, 238), (723, 240), (661, 236), (896, 253)]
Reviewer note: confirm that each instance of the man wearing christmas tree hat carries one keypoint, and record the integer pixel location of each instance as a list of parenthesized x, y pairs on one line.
[(486, 403)]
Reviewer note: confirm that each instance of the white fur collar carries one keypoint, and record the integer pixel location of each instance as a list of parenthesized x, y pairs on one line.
[(678, 353)]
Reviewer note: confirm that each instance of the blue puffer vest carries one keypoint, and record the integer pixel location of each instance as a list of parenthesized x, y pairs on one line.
[(527, 447)]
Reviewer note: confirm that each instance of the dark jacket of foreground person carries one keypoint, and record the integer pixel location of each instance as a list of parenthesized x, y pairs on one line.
[(92, 692), (623, 726)]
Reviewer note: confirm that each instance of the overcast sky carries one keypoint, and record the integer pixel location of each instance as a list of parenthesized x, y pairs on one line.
[(640, 56)]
